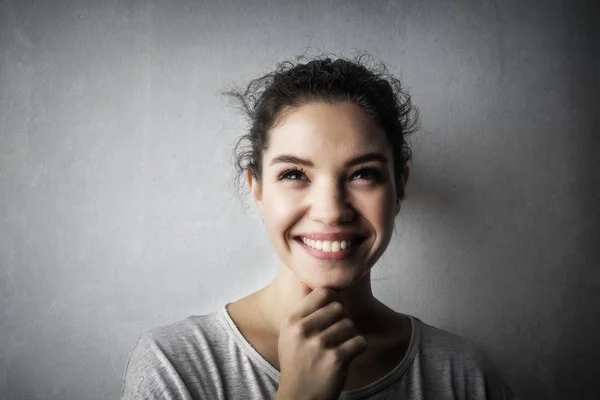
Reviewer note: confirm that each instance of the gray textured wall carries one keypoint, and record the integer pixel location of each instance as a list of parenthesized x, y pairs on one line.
[(117, 212)]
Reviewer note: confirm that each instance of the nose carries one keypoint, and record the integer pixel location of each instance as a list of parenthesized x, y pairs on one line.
[(330, 205)]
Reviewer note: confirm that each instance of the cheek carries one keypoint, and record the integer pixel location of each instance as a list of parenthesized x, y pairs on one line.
[(380, 210), (279, 212)]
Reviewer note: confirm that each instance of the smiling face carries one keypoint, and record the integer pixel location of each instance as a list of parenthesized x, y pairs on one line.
[(327, 194)]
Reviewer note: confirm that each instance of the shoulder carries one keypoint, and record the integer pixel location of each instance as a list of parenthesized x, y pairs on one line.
[(461, 364), (163, 358), (181, 341), (185, 335), (442, 345)]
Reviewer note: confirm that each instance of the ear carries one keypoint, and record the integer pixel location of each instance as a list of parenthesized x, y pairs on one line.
[(402, 187), (255, 189)]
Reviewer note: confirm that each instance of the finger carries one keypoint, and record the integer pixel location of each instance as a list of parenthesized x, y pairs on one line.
[(316, 299), (339, 332), (351, 348), (325, 317)]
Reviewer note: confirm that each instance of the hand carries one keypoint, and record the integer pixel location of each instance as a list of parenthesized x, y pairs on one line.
[(317, 343)]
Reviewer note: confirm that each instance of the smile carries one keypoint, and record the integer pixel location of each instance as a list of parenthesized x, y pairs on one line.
[(330, 250), (326, 245)]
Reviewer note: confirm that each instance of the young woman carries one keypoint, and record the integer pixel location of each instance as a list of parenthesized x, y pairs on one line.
[(326, 160)]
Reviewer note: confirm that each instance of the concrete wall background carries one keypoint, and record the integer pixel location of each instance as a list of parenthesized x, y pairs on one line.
[(117, 212)]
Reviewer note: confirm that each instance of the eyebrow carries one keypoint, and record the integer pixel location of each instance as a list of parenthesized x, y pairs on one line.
[(291, 159)]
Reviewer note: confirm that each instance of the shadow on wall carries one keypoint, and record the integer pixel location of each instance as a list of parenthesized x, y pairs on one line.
[(577, 374), (572, 364), (577, 351), (438, 197)]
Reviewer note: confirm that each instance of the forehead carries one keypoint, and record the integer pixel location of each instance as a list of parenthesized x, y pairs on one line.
[(323, 132)]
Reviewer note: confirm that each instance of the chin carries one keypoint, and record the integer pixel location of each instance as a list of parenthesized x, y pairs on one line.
[(338, 275)]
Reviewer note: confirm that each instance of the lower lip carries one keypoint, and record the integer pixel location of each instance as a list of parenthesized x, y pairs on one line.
[(330, 256)]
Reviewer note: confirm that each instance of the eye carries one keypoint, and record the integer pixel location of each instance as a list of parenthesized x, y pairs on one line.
[(293, 174), (368, 174)]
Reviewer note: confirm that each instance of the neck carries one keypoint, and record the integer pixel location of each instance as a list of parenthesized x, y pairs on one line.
[(279, 299)]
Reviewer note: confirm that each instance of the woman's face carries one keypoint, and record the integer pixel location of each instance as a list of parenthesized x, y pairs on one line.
[(327, 194)]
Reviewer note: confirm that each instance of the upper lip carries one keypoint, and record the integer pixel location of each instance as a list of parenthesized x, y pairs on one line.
[(334, 236)]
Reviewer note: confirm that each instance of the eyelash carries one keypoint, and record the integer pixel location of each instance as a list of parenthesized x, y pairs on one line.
[(375, 174), (290, 171)]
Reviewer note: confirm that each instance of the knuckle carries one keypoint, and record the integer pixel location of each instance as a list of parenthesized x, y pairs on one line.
[(337, 358), (287, 323), (320, 342), (299, 329)]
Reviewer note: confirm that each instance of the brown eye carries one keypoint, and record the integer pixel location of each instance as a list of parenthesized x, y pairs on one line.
[(368, 174), (293, 174)]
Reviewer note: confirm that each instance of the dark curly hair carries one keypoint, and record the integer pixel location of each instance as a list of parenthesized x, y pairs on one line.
[(293, 84)]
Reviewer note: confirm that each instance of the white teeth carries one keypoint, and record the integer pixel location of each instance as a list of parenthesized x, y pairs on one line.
[(326, 245)]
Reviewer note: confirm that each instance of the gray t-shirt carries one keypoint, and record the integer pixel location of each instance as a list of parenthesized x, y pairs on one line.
[(206, 357)]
